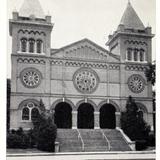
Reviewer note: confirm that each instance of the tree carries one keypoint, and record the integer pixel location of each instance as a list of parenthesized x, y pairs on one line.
[(8, 103), (150, 73), (45, 130), (132, 122)]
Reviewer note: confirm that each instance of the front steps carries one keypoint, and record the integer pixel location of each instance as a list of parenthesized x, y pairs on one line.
[(91, 140)]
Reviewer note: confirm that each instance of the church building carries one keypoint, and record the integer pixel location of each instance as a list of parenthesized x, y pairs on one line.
[(82, 84)]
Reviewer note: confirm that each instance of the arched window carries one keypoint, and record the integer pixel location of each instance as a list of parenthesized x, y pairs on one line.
[(25, 113), (39, 46), (30, 111), (34, 114), (31, 45), (24, 45), (135, 55), (141, 56), (129, 54)]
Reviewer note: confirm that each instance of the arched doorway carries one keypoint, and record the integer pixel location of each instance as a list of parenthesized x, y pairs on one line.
[(107, 116), (85, 116), (63, 115)]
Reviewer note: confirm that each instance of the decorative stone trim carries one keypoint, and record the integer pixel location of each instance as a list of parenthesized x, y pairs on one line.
[(80, 64), (135, 68), (31, 31), (56, 62), (30, 60), (135, 42), (114, 67)]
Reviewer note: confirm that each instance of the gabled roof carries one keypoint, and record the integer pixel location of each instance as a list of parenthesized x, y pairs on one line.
[(130, 18), (30, 8), (84, 49)]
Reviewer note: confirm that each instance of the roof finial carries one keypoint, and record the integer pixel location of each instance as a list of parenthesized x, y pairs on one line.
[(129, 2)]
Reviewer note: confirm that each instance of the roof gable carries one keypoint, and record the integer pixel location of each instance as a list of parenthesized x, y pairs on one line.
[(84, 50)]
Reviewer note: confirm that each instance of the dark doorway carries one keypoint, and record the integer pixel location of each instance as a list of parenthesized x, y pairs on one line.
[(85, 116), (107, 116), (63, 115)]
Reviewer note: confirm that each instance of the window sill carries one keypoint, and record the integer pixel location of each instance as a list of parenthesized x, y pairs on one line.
[(30, 53), (141, 62)]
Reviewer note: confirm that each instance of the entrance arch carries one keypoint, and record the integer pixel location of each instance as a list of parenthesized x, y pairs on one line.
[(107, 116), (63, 115), (85, 116)]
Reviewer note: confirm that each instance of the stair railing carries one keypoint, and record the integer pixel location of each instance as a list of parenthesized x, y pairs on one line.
[(106, 139), (80, 137)]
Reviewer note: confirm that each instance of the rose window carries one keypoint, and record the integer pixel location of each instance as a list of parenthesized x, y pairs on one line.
[(136, 83), (85, 80), (31, 77)]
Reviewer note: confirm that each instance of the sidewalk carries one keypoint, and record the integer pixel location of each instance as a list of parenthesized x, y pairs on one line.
[(132, 155)]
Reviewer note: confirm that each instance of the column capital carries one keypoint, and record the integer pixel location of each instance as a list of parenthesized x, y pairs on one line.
[(96, 113), (74, 112), (117, 113)]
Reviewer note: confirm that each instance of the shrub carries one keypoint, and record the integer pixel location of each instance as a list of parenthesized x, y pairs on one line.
[(141, 145), (17, 139), (151, 140), (46, 135)]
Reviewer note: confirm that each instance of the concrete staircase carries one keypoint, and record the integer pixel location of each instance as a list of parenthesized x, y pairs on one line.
[(91, 140), (68, 140), (116, 139)]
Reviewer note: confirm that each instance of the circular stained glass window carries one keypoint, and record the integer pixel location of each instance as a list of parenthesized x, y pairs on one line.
[(31, 77), (85, 80), (136, 83)]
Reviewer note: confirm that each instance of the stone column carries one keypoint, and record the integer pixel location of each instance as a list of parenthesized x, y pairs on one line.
[(74, 119), (35, 47), (118, 115), (96, 120)]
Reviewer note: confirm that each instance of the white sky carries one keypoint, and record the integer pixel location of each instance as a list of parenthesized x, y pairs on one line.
[(92, 19)]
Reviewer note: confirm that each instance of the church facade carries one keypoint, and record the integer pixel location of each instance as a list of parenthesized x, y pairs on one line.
[(82, 84)]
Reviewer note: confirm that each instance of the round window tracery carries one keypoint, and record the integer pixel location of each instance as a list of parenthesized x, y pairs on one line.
[(85, 80), (31, 77), (136, 83)]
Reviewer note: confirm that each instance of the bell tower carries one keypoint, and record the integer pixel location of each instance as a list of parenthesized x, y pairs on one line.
[(30, 30), (132, 40)]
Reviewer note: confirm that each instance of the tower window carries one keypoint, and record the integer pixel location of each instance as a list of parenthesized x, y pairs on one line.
[(129, 54), (39, 46), (141, 55), (31, 45), (23, 44), (135, 54)]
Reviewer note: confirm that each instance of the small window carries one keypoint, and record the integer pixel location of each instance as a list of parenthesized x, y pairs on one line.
[(34, 114), (141, 55), (39, 46), (135, 54), (31, 45), (129, 54), (25, 113), (23, 45)]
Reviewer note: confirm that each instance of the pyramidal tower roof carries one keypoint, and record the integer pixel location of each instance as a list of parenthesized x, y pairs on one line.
[(130, 18), (31, 8)]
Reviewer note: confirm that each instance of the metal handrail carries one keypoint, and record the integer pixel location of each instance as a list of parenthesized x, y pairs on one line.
[(107, 140), (80, 137)]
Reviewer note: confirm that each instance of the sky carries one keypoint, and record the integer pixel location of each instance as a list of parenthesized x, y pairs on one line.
[(93, 19)]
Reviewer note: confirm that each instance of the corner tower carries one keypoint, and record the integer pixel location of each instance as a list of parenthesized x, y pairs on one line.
[(132, 40), (30, 29)]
